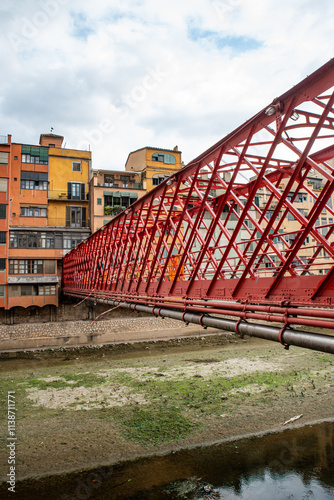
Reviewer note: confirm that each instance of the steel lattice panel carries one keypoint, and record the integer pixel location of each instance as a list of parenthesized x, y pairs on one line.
[(250, 221)]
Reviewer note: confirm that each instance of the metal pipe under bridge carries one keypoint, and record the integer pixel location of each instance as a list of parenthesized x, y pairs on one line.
[(242, 238)]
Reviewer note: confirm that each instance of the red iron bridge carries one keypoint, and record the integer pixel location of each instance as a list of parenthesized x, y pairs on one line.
[(241, 238)]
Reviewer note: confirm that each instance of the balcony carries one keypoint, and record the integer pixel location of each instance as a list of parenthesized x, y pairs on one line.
[(263, 204), (57, 194), (129, 185), (107, 184), (62, 195), (112, 211)]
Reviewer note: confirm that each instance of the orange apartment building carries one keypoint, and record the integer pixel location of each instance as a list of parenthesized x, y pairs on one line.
[(304, 201), (5, 147), (32, 244)]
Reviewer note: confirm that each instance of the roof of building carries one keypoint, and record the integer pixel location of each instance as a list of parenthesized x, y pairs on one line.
[(54, 136), (29, 144), (155, 149)]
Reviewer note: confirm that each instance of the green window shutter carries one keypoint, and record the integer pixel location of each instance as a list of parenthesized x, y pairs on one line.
[(99, 201), (170, 159), (44, 154), (35, 151)]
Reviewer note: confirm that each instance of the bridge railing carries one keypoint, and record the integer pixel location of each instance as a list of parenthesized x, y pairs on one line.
[(250, 221)]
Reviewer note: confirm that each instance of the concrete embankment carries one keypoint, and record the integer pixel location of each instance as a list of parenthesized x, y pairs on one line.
[(79, 333)]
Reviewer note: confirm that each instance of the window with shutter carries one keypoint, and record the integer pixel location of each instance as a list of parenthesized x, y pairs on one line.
[(165, 158), (3, 185), (3, 158), (49, 267), (75, 191), (26, 290), (2, 211), (84, 217), (75, 216), (68, 216)]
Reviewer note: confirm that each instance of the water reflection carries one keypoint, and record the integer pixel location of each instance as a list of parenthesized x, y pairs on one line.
[(295, 464)]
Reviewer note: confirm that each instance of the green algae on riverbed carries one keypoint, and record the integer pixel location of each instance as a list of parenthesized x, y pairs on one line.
[(94, 411)]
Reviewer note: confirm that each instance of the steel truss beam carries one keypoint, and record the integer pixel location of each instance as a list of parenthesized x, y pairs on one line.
[(231, 228), (286, 336)]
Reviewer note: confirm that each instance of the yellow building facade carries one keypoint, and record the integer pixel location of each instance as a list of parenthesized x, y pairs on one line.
[(68, 188), (68, 192), (155, 164)]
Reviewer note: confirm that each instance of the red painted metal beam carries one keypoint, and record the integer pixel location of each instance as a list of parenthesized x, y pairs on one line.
[(232, 225)]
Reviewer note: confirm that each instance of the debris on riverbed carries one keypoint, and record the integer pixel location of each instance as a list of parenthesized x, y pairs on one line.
[(192, 489), (297, 417)]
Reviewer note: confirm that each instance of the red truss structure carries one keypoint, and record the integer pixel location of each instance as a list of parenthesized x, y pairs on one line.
[(245, 229)]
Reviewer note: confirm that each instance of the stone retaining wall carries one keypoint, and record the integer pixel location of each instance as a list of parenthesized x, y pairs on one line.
[(67, 333)]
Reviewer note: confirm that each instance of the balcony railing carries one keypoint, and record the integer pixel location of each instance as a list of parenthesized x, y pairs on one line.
[(61, 194), (113, 210), (129, 185)]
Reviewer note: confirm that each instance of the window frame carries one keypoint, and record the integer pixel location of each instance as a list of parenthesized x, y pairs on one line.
[(3, 211), (36, 212), (77, 163)]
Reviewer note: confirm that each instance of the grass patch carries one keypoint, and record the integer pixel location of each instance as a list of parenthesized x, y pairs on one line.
[(154, 426), (206, 396), (326, 359), (72, 380)]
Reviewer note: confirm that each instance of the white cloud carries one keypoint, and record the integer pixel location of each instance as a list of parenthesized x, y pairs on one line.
[(117, 77)]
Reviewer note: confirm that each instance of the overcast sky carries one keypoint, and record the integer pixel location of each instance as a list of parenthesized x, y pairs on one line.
[(118, 75)]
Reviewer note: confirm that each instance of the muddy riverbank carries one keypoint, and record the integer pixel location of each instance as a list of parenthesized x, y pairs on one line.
[(84, 408), (294, 463)]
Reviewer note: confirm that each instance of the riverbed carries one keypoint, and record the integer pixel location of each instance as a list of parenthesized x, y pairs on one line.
[(82, 409)]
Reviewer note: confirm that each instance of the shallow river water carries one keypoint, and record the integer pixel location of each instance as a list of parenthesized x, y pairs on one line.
[(294, 464)]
